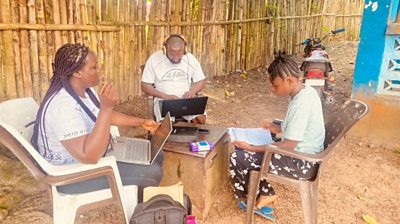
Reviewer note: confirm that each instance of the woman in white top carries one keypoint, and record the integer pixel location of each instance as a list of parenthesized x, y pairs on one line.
[(73, 123)]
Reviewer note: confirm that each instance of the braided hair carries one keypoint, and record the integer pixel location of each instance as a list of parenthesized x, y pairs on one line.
[(283, 66), (69, 59)]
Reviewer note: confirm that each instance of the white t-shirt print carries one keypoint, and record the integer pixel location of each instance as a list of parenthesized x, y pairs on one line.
[(64, 119), (169, 78)]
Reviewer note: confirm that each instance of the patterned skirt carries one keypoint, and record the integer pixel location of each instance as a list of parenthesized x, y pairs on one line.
[(242, 162)]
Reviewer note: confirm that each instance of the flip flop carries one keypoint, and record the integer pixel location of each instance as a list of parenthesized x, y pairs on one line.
[(265, 211)]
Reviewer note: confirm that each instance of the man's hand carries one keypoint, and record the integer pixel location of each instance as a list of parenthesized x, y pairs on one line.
[(108, 96), (273, 128), (150, 126), (169, 97), (188, 94)]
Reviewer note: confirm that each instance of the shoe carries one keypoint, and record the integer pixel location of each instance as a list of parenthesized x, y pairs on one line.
[(265, 211)]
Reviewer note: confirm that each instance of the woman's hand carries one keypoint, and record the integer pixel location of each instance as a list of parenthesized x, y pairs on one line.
[(242, 145), (273, 128), (246, 146), (150, 126), (108, 97)]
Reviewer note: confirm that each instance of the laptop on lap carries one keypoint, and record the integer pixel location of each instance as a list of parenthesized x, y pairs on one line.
[(142, 151), (184, 106)]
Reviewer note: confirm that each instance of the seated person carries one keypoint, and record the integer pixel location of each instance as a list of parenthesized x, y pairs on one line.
[(302, 130), (73, 122), (169, 73)]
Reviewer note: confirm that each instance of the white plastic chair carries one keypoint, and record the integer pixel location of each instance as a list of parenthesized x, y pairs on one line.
[(16, 129)]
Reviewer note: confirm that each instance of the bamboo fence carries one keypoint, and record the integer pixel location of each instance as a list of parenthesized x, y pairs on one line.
[(225, 35)]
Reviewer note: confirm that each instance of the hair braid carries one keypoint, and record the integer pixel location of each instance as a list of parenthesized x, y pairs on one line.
[(68, 60), (283, 66)]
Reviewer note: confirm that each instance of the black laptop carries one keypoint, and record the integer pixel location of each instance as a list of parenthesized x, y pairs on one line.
[(184, 107)]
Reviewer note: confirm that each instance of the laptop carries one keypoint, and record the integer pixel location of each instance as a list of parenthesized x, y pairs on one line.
[(184, 107), (142, 151)]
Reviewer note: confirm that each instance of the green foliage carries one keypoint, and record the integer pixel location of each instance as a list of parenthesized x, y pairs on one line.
[(315, 8), (325, 29), (195, 8), (271, 10)]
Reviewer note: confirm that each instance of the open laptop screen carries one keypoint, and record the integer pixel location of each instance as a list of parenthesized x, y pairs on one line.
[(184, 107), (161, 136)]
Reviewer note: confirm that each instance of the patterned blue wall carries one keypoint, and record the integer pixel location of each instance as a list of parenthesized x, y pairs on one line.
[(372, 45), (377, 73)]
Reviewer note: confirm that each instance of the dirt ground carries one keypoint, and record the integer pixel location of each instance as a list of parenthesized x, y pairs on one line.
[(361, 179)]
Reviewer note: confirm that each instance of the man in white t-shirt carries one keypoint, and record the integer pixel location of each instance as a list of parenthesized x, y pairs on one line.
[(173, 73)]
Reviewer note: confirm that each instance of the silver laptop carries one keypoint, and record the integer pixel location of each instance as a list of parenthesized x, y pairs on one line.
[(142, 151)]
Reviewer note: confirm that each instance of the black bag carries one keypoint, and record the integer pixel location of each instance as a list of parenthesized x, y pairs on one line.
[(161, 209)]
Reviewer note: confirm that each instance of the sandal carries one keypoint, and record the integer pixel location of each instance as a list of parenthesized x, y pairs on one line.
[(265, 211)]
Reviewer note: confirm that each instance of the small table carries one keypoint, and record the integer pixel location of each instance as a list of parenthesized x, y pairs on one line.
[(202, 173)]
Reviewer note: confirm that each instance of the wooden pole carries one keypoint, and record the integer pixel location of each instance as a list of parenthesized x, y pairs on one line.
[(51, 50), (44, 73), (56, 20), (34, 51), (70, 21), (2, 82), (17, 58), (77, 20), (124, 10), (8, 56), (91, 20), (63, 20)]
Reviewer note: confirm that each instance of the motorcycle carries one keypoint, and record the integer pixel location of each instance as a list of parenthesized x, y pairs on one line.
[(316, 67)]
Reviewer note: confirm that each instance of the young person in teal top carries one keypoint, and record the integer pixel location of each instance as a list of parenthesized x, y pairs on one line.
[(302, 130)]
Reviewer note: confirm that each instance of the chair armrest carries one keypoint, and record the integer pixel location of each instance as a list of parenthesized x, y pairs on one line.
[(79, 167), (75, 173), (289, 152)]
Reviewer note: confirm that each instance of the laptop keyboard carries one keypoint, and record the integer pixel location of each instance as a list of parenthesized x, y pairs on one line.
[(136, 150)]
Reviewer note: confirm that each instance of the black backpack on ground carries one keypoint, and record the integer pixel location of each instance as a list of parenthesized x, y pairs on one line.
[(162, 209)]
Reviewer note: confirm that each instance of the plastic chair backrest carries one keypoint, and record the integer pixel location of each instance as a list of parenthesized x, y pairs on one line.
[(343, 120), (20, 113), (337, 127), (17, 117)]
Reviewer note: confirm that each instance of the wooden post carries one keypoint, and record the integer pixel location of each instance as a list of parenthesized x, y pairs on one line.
[(17, 58), (9, 84), (44, 73), (2, 83), (70, 20), (56, 20), (50, 37), (77, 20), (83, 14), (63, 20), (34, 51)]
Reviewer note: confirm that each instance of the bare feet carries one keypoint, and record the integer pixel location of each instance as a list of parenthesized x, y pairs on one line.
[(265, 200)]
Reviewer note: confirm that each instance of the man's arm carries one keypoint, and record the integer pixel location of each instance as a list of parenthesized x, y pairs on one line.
[(150, 90), (196, 87)]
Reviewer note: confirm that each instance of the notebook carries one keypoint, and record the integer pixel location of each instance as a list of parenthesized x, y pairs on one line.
[(184, 107), (142, 151)]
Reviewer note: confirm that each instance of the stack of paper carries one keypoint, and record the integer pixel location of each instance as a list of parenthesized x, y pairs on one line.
[(253, 136)]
